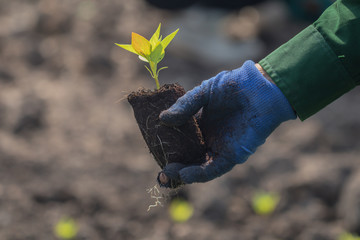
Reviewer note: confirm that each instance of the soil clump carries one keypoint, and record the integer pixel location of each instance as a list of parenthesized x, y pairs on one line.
[(182, 144)]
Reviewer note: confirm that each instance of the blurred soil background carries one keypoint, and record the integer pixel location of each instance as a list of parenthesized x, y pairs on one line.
[(70, 147)]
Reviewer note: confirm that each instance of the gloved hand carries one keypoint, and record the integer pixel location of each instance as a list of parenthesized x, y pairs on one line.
[(240, 109)]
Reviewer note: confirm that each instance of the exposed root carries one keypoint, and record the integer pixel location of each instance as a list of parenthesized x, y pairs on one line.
[(147, 122), (156, 107), (124, 97), (182, 133), (155, 194), (162, 148), (162, 196)]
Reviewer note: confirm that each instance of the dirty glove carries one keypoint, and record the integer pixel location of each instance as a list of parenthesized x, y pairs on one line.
[(239, 110)]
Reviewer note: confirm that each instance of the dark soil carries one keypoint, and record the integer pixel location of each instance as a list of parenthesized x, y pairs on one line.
[(182, 144)]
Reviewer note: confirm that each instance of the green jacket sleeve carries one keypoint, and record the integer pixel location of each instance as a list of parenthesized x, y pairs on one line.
[(322, 62)]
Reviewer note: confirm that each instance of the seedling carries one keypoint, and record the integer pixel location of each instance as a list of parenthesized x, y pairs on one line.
[(151, 51), (180, 210), (66, 229), (264, 203), (183, 144), (348, 236)]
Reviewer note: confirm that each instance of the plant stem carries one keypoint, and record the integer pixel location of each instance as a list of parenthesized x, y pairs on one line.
[(153, 67), (157, 82)]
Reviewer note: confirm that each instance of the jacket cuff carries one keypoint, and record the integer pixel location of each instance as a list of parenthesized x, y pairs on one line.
[(308, 72)]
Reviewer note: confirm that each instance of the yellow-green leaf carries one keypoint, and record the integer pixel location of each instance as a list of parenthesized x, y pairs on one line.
[(140, 44), (154, 40), (165, 42), (162, 56), (127, 47), (155, 55)]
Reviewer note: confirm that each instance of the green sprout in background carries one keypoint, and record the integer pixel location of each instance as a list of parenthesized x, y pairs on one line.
[(265, 203), (151, 51), (180, 210), (66, 229), (348, 236)]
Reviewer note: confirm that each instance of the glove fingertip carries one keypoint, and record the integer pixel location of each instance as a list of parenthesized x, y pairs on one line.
[(169, 177), (169, 117)]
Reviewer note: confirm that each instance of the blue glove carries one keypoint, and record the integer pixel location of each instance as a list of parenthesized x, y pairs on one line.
[(238, 110)]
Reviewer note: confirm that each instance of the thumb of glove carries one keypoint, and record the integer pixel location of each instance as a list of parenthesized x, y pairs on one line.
[(207, 172), (186, 106)]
